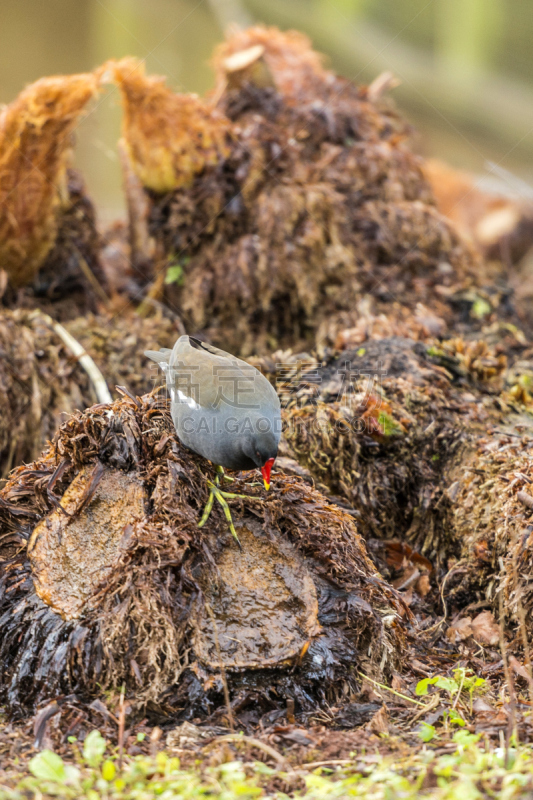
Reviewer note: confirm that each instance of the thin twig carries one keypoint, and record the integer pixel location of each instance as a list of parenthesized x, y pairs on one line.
[(91, 277), (458, 695), (456, 568), (393, 691), (98, 381)]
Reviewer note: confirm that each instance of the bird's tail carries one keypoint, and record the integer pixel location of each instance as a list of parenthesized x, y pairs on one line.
[(161, 357)]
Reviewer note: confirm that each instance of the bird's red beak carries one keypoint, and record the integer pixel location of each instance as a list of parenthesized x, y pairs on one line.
[(265, 472)]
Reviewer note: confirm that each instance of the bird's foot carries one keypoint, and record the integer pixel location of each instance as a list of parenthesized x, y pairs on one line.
[(222, 498), (222, 474)]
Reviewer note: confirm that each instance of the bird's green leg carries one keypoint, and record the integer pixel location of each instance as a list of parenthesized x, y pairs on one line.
[(207, 510), (222, 474), (221, 496)]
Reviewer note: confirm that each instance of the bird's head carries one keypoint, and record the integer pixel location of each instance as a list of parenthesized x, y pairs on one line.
[(262, 449)]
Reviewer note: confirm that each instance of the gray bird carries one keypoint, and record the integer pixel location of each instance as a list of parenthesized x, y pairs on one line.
[(223, 409)]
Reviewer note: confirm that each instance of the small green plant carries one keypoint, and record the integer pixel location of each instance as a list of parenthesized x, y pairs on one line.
[(389, 425), (480, 308), (463, 681), (175, 271), (452, 717), (426, 732), (472, 770)]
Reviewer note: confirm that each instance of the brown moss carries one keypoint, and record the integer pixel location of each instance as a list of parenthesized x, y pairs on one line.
[(145, 623)]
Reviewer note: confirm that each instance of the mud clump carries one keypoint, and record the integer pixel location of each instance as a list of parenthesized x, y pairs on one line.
[(293, 198), (91, 598)]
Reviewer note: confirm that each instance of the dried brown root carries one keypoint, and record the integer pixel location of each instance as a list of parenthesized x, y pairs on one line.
[(46, 219), (42, 380), (105, 576), (284, 206)]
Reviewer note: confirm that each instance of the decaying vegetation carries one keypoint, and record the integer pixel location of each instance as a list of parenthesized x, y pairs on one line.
[(42, 381), (492, 512), (381, 428), (385, 426), (285, 197), (285, 210), (499, 224), (97, 592), (48, 239)]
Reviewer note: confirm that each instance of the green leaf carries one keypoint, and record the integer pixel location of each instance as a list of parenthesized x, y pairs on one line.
[(448, 684), (465, 738), (440, 681), (422, 686), (174, 274), (467, 679), (48, 766), (480, 308), (426, 732), (94, 748), (455, 718)]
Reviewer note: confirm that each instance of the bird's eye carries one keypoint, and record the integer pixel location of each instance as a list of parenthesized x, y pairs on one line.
[(258, 453)]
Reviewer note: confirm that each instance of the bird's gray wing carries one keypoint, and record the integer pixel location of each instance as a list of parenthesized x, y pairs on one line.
[(211, 376)]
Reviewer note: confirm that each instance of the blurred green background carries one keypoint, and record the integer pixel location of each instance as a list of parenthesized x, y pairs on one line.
[(465, 65)]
